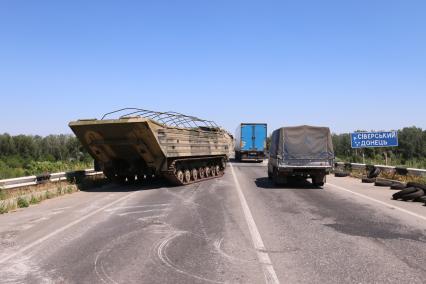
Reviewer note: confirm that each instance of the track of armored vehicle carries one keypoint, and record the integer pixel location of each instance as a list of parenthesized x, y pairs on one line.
[(142, 144)]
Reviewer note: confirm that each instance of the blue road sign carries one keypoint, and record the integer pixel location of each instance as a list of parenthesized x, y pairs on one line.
[(374, 139)]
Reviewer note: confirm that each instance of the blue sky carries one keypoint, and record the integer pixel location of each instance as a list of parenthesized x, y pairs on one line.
[(344, 64)]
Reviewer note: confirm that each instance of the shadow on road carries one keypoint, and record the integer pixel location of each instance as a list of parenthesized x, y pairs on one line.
[(115, 187), (267, 183)]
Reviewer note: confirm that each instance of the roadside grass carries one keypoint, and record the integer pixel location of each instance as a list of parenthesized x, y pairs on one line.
[(401, 178), (2, 194), (22, 202), (49, 194), (25, 197), (390, 175), (69, 189), (3, 206), (34, 200)]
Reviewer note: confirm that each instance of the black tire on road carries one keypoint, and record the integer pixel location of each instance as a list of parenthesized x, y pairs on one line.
[(398, 186), (414, 195), (374, 173), (383, 183), (341, 174), (403, 192), (420, 199), (368, 180), (416, 184)]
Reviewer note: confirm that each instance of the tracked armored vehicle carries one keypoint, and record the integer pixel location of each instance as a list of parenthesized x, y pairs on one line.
[(132, 143)]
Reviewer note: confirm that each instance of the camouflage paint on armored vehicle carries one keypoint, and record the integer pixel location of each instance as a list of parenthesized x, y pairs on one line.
[(142, 144)]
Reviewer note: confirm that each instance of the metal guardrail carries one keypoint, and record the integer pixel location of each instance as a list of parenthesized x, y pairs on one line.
[(410, 171), (32, 180)]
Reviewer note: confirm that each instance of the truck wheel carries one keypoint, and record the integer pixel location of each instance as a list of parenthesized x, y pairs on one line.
[(318, 180), (269, 175), (275, 176)]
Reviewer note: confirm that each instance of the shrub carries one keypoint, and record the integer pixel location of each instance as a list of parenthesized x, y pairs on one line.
[(70, 189), (2, 194), (34, 200), (22, 203), (59, 190), (3, 207), (48, 194)]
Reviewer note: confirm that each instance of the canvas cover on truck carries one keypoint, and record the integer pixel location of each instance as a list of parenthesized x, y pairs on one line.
[(302, 143)]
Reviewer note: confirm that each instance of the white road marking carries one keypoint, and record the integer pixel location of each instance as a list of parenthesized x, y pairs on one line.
[(61, 209), (138, 206), (264, 259), (60, 230), (141, 211), (152, 217), (391, 206)]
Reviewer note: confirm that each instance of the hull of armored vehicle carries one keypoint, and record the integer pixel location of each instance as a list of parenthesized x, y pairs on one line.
[(130, 148)]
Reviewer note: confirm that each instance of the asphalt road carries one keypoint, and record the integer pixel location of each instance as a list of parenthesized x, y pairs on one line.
[(236, 229)]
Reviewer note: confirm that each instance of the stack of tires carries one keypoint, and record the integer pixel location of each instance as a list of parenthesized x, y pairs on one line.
[(412, 192), (345, 172), (373, 173)]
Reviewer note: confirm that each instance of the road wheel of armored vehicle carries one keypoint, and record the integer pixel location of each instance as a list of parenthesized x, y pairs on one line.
[(120, 179), (218, 172), (131, 179), (223, 162), (149, 177), (194, 174), (201, 173), (179, 176), (187, 176), (213, 171), (207, 172), (140, 178)]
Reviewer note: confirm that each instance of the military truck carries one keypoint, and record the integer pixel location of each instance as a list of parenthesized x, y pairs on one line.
[(301, 151), (136, 144)]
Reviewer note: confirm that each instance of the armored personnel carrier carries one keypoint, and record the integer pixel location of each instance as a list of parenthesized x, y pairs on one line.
[(131, 143)]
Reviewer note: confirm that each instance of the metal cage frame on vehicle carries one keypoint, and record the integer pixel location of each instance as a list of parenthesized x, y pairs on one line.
[(169, 118)]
